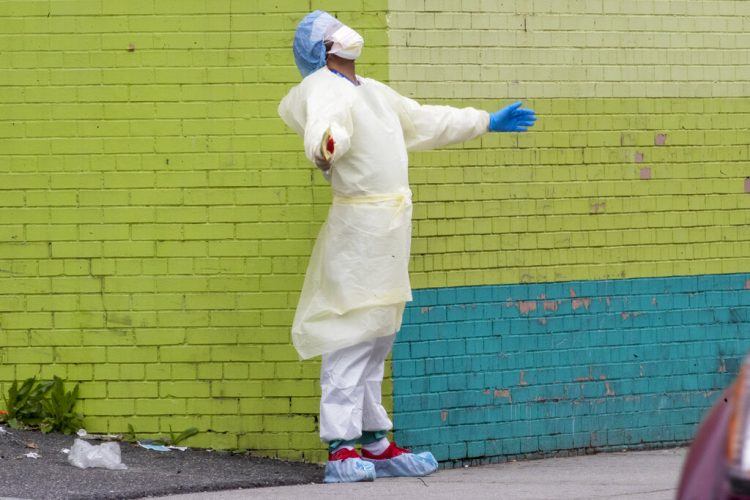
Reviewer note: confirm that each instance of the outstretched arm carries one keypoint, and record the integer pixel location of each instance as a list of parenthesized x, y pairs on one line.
[(430, 127)]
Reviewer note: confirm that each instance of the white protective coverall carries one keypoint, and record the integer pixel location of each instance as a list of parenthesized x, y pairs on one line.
[(357, 280)]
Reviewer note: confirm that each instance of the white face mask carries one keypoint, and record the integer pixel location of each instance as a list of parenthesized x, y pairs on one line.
[(347, 43)]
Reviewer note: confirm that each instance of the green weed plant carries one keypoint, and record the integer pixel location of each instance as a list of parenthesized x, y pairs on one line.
[(171, 440), (43, 405)]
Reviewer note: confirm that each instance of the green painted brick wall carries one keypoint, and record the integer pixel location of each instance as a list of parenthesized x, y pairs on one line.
[(156, 215)]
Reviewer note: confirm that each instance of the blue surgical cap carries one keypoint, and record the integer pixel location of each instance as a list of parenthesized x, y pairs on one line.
[(309, 41)]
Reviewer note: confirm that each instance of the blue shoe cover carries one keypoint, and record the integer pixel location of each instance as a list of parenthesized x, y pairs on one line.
[(406, 465), (351, 470)]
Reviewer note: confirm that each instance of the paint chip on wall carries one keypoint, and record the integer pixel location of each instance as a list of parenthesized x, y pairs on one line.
[(645, 173)]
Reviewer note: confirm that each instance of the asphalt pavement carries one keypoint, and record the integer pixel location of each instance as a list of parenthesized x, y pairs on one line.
[(35, 466)]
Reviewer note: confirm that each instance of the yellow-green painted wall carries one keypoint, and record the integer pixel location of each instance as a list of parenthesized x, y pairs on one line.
[(603, 189), (636, 167), (156, 215)]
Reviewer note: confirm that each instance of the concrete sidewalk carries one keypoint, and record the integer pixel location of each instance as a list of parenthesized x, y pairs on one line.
[(643, 475)]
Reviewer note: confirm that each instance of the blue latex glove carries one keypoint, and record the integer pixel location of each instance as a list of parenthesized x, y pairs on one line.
[(512, 118)]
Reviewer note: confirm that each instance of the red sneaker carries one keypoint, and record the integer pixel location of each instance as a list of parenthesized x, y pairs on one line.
[(390, 452), (346, 466), (343, 454), (400, 462)]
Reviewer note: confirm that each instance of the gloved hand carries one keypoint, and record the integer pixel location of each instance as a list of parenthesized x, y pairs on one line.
[(324, 156), (512, 119)]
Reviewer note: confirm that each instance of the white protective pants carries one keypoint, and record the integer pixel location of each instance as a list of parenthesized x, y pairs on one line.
[(350, 381)]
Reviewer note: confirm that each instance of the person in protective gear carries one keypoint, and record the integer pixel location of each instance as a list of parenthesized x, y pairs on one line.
[(358, 131)]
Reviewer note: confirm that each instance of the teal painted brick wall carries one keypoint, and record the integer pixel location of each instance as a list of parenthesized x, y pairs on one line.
[(484, 373)]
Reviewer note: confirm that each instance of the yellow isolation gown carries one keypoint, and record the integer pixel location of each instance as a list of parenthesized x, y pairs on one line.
[(357, 280)]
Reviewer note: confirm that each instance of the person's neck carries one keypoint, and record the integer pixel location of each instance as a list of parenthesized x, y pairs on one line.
[(343, 66)]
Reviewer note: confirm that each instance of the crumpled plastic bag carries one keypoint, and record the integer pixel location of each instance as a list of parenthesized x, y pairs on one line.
[(106, 455)]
